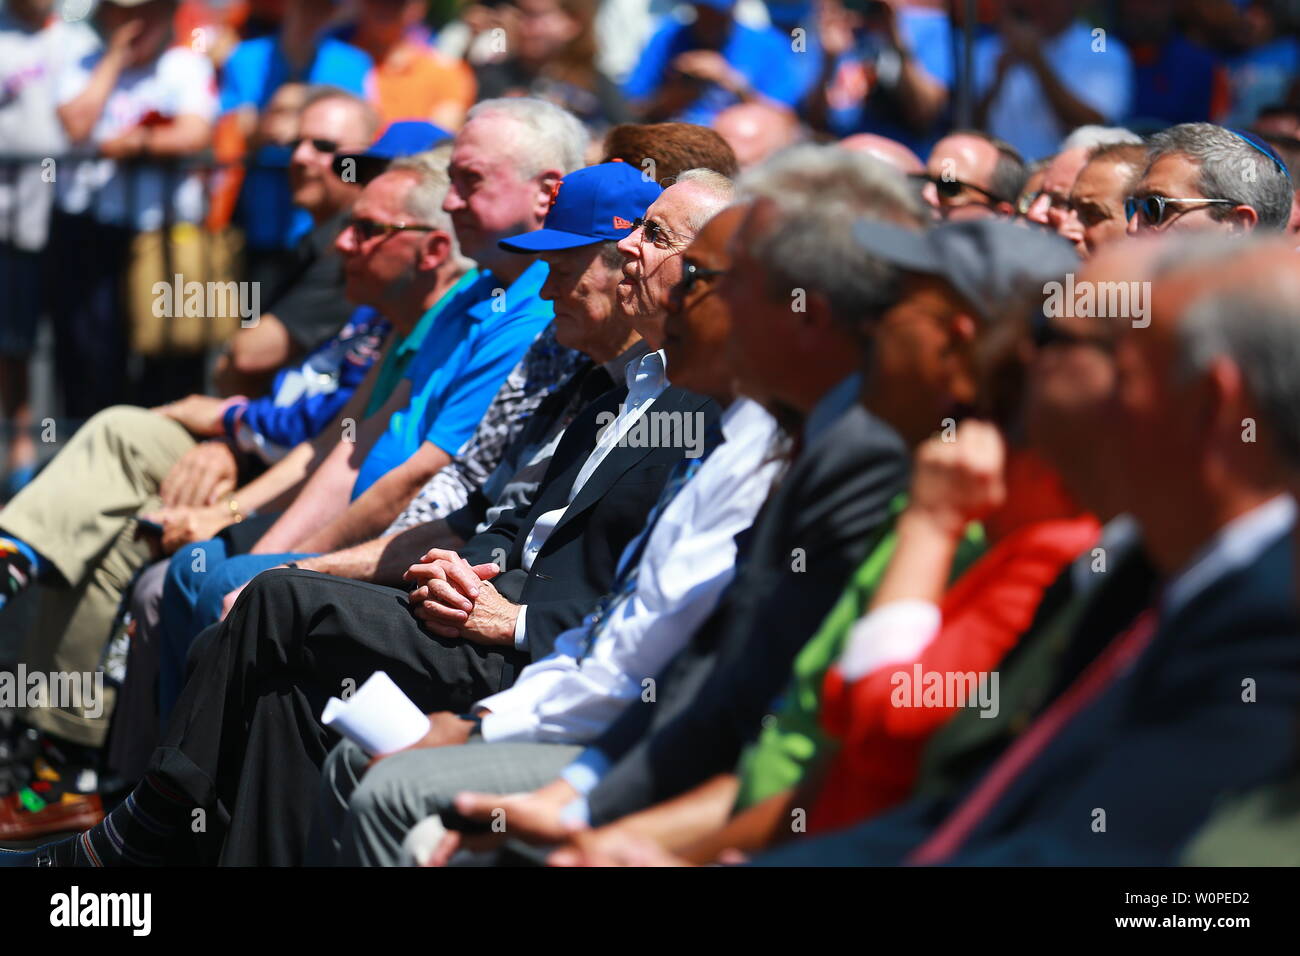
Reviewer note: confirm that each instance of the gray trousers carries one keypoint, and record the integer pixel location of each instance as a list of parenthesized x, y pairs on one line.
[(363, 816)]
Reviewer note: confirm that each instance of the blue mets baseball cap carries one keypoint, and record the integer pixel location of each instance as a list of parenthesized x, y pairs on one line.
[(589, 205), (401, 138)]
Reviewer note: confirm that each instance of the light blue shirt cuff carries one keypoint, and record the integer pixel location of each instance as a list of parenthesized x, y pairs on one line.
[(587, 770), (521, 629)]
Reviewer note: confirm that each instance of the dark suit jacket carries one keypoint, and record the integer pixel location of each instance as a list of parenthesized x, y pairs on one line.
[(809, 538), (1156, 751), (576, 565)]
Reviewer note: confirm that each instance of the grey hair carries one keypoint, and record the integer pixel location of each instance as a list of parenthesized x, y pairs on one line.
[(1092, 136), (553, 137), (818, 193), (1255, 322), (424, 199), (1229, 168), (320, 92), (720, 188)]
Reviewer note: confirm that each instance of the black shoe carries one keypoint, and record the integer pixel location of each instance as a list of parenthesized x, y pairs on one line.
[(44, 855)]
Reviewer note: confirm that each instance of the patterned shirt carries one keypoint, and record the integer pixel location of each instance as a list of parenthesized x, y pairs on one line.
[(546, 365)]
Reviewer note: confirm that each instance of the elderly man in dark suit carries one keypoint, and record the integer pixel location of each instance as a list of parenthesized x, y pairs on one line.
[(1194, 696), (246, 740)]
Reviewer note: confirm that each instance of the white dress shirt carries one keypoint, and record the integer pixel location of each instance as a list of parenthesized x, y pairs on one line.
[(646, 381), (689, 560)]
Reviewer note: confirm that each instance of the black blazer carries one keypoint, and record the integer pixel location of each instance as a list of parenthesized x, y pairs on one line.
[(576, 565), (1157, 751), (810, 537)]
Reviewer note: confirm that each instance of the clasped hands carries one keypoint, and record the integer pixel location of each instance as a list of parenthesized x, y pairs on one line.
[(457, 599)]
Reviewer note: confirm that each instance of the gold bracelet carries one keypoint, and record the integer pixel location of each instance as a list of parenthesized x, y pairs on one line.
[(233, 505)]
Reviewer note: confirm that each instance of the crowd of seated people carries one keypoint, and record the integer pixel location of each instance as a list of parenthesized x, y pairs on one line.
[(787, 477)]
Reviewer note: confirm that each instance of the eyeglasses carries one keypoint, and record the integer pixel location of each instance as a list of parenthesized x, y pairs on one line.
[(655, 232), (367, 229), (951, 188), (1152, 208), (327, 146), (1025, 202), (691, 274)]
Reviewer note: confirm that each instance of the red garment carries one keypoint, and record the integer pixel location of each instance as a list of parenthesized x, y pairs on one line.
[(984, 614)]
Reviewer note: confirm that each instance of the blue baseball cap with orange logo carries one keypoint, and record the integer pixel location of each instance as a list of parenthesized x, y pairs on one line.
[(590, 205)]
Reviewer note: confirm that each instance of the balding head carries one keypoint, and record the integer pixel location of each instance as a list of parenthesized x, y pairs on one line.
[(755, 131), (886, 150)]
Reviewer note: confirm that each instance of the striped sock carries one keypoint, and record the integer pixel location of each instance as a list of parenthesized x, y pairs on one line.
[(138, 832)]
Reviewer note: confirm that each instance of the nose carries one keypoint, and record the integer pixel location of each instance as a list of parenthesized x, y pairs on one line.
[(547, 292), (1038, 210), (452, 201), (345, 242), (630, 245), (931, 195)]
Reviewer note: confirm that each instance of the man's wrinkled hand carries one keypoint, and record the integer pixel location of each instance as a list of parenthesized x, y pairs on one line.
[(182, 526), (205, 475)]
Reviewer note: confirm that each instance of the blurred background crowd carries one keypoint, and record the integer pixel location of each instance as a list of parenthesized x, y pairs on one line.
[(219, 84)]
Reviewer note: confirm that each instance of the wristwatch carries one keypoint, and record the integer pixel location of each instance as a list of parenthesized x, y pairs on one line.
[(476, 720)]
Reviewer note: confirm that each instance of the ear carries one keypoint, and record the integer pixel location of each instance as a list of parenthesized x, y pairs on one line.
[(1244, 219), (435, 251), (546, 183), (1226, 396)]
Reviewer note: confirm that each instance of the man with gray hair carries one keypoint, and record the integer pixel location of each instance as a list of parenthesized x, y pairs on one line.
[(1202, 176), (1051, 207)]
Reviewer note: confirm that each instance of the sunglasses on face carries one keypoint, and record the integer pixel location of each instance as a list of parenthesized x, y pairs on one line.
[(327, 146), (692, 274), (1153, 209), (657, 233), (367, 229), (950, 189)]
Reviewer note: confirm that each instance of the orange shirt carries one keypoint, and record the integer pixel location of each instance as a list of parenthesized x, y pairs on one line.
[(984, 614), (416, 82)]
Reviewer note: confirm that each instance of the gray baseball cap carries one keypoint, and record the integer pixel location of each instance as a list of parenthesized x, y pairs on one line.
[(990, 262)]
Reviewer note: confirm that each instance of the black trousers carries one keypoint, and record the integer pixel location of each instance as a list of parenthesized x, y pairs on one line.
[(245, 742)]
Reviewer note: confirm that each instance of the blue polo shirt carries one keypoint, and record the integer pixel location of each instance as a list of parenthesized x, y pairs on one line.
[(764, 56), (478, 335), (255, 70)]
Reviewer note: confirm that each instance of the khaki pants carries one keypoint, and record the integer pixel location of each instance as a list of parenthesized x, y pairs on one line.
[(78, 514)]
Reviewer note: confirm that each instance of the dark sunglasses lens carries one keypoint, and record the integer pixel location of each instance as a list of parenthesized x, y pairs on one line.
[(366, 228), (325, 145), (947, 188)]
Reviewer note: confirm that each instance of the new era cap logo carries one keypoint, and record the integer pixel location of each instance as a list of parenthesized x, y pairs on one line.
[(621, 223), (555, 190)]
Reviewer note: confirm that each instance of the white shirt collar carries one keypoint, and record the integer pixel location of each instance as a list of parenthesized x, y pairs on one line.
[(1237, 544)]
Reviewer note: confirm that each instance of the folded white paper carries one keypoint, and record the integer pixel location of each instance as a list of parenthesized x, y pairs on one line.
[(378, 718)]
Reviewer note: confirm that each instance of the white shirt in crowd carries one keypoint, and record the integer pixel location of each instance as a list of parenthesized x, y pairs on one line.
[(646, 381), (179, 83), (30, 64), (689, 559)]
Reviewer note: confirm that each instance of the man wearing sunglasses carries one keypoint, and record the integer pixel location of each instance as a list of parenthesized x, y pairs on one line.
[(1200, 176), (308, 307), (971, 175)]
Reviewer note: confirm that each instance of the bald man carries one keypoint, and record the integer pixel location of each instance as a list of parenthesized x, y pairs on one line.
[(886, 150), (973, 176), (755, 131)]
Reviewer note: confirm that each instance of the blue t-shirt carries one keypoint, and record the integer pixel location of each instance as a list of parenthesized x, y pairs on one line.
[(765, 57), (1261, 77), (855, 104), (477, 337), (1172, 83), (255, 70)]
